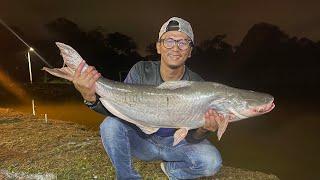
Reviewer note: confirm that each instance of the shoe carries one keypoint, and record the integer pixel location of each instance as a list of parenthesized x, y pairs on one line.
[(164, 169)]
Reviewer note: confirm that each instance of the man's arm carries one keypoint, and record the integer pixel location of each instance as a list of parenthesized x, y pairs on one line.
[(98, 106), (85, 83)]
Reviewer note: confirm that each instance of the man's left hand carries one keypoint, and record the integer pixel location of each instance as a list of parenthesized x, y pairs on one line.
[(212, 118)]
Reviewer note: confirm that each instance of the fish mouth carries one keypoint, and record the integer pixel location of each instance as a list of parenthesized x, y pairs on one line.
[(255, 111), (264, 108)]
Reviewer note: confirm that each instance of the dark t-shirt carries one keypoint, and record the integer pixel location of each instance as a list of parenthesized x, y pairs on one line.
[(148, 73)]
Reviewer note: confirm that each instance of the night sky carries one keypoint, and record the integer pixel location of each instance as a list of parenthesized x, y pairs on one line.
[(142, 19)]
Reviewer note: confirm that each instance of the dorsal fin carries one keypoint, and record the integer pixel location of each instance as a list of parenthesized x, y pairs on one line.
[(174, 84)]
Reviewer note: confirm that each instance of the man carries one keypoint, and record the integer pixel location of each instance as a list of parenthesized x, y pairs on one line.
[(193, 157)]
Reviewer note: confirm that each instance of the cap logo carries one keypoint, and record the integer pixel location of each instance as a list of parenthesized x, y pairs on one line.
[(173, 26)]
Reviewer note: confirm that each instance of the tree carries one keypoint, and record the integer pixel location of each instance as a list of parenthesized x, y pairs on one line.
[(152, 54), (66, 31), (120, 43)]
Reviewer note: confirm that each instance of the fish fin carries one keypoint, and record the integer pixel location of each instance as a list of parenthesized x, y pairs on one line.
[(179, 135), (64, 72), (114, 111), (174, 84), (147, 130), (222, 127)]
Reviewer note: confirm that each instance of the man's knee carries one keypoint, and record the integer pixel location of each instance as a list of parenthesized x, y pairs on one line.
[(111, 126), (213, 165), (209, 162)]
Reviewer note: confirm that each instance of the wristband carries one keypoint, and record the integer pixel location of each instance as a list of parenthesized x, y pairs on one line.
[(90, 104)]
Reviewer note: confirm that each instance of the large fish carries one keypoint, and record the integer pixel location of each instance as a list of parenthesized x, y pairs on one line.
[(173, 104)]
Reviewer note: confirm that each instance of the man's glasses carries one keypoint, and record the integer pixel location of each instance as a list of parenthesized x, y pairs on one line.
[(183, 44)]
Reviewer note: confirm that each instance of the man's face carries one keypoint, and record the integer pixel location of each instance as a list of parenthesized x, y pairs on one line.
[(174, 57)]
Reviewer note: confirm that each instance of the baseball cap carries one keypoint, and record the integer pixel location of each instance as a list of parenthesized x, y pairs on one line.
[(177, 24)]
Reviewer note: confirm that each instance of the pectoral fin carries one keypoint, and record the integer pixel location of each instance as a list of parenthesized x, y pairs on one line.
[(179, 135), (147, 130), (222, 127)]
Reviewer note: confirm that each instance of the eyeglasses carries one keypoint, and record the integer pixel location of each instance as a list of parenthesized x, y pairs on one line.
[(183, 44)]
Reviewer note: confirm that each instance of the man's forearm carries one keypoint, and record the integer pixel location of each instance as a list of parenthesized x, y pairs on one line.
[(200, 133), (98, 107)]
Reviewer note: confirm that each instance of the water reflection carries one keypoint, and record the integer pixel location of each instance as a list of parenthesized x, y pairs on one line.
[(74, 111)]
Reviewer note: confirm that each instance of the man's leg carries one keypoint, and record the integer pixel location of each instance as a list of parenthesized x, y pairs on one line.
[(190, 161), (122, 140)]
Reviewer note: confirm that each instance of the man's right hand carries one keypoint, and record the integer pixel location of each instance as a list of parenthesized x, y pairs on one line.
[(85, 82)]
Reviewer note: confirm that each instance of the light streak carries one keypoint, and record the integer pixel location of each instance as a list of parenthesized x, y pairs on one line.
[(13, 87), (24, 42)]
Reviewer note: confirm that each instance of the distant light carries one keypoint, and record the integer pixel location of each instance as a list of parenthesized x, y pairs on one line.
[(31, 49)]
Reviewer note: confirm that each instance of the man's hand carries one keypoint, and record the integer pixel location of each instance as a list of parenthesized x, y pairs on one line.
[(85, 82), (212, 118)]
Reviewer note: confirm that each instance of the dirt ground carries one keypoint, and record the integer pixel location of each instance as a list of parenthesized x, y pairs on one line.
[(34, 149)]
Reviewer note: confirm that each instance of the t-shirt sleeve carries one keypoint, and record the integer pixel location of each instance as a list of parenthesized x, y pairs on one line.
[(133, 76), (195, 76)]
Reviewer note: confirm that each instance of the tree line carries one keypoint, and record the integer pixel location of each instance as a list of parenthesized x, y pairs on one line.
[(267, 59)]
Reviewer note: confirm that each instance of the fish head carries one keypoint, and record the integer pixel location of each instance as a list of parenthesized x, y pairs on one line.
[(70, 56), (250, 103)]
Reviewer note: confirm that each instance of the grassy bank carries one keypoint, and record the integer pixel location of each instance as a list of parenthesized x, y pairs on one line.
[(64, 150)]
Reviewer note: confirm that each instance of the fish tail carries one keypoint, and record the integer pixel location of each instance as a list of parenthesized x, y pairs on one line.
[(64, 72)]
